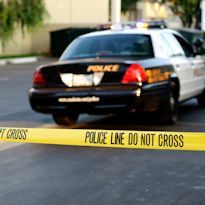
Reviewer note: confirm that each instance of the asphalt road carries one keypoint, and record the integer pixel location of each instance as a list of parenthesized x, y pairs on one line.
[(48, 174)]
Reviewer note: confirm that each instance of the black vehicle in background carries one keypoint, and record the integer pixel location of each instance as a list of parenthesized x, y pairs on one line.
[(195, 37)]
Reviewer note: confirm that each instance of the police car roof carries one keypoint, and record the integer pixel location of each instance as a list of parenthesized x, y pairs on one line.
[(125, 31)]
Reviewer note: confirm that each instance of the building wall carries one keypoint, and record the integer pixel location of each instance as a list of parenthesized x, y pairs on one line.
[(69, 13), (40, 40), (62, 14), (81, 13), (91, 11), (77, 11), (18, 45)]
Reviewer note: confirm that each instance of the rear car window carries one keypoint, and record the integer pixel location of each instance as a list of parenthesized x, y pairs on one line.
[(119, 45)]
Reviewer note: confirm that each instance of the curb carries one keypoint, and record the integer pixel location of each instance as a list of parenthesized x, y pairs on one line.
[(3, 62), (18, 60)]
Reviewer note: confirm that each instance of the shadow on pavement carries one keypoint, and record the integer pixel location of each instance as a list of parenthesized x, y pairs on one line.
[(191, 118)]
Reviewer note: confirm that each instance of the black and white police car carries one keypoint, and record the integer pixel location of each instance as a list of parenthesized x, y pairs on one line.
[(120, 70)]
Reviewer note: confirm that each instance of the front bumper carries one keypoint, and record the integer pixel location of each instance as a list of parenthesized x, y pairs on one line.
[(111, 99)]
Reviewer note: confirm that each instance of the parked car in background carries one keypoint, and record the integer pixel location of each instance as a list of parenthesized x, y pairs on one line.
[(195, 37)]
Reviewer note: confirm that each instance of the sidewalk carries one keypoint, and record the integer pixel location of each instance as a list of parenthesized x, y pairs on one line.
[(20, 60)]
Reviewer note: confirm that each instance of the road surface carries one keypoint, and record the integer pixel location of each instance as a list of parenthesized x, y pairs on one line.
[(49, 174)]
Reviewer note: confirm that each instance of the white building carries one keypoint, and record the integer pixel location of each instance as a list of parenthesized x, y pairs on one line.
[(62, 14), (78, 13)]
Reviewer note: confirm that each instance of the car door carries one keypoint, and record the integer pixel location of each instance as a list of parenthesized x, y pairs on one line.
[(197, 65), (182, 65)]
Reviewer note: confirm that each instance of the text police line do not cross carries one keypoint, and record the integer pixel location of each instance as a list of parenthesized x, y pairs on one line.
[(142, 139)]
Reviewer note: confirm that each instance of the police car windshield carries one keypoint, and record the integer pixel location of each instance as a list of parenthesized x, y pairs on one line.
[(110, 46)]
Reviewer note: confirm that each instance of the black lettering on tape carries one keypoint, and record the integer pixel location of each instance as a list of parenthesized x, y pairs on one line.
[(132, 139), (96, 137), (165, 140), (170, 140), (2, 131), (117, 138), (181, 140), (147, 139), (160, 140), (17, 134), (176, 140)]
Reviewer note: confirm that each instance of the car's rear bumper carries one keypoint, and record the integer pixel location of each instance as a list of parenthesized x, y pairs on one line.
[(98, 100)]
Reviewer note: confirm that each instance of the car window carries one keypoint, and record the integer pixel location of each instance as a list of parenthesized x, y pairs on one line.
[(191, 36), (185, 45), (119, 45), (175, 48)]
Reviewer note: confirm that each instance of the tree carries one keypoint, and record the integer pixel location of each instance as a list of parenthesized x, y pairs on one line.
[(186, 10), (26, 14)]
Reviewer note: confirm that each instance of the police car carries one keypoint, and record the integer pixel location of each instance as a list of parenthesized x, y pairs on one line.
[(120, 70)]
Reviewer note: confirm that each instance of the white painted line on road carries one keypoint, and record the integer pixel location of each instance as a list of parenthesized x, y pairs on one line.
[(23, 60), (198, 187), (6, 146), (3, 62)]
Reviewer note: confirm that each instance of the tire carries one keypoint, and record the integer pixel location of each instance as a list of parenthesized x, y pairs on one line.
[(65, 120), (169, 108), (201, 100)]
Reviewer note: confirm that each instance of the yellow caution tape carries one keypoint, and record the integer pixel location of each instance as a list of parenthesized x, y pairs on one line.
[(107, 138)]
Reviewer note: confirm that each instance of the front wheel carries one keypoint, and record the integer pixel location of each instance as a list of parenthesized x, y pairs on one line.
[(65, 120), (169, 108)]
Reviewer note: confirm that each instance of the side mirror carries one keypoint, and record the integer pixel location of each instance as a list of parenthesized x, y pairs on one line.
[(199, 47)]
